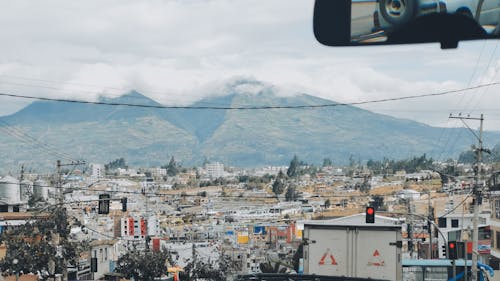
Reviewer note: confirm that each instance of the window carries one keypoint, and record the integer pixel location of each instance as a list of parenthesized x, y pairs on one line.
[(4, 208), (101, 254), (497, 209), (442, 222), (497, 241), (454, 223), (15, 209), (105, 254)]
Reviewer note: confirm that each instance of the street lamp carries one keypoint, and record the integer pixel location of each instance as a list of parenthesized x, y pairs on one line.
[(15, 262)]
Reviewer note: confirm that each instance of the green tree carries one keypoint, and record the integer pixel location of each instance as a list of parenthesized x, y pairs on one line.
[(291, 193), (268, 267), (378, 202), (327, 162), (172, 167), (279, 184), (297, 256), (293, 168), (327, 203), (34, 244), (143, 265), (115, 164), (219, 270)]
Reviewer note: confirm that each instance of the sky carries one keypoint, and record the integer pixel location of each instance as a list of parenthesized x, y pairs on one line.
[(179, 51)]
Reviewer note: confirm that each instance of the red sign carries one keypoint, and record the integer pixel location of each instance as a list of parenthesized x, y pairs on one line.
[(483, 247), (325, 255), (156, 244), (143, 227), (376, 260), (131, 226)]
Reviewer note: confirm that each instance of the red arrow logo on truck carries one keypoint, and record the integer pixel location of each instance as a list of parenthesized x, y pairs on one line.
[(326, 254), (376, 259)]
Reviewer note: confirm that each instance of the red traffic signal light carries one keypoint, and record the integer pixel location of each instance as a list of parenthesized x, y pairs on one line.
[(452, 250), (370, 215)]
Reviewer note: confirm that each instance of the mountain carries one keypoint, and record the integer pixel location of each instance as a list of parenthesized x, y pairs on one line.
[(38, 134)]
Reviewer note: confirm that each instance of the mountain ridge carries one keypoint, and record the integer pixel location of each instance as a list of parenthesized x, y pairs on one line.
[(149, 136)]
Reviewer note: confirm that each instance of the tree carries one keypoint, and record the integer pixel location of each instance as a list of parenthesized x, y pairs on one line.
[(297, 256), (327, 203), (34, 244), (172, 167), (144, 265), (327, 162), (279, 184), (291, 193), (268, 267), (378, 202), (219, 270), (293, 169), (118, 163)]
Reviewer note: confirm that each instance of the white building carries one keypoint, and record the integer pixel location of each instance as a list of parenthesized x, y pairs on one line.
[(139, 227), (458, 227), (158, 172), (214, 170), (105, 253), (97, 171), (153, 226)]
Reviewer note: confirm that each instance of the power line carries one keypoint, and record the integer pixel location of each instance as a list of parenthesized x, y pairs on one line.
[(263, 107), (28, 139)]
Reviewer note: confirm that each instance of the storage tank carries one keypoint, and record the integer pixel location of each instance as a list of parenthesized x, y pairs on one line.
[(26, 190), (9, 190), (41, 189)]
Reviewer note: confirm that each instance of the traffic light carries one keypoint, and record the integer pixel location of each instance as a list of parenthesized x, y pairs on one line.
[(124, 204), (461, 250), (104, 204), (452, 250), (93, 264), (444, 251), (370, 215)]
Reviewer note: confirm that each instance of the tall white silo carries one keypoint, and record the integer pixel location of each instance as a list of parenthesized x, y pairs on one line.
[(9, 190), (41, 189)]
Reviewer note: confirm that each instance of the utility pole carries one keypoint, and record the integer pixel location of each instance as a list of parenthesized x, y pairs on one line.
[(430, 217), (409, 229), (476, 189), (60, 202)]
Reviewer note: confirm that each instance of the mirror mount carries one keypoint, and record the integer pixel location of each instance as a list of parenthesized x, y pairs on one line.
[(447, 29)]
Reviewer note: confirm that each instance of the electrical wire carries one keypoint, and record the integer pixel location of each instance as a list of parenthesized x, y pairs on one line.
[(28, 139), (263, 107), (456, 207)]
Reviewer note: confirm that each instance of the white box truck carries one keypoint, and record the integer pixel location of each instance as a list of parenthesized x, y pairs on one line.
[(352, 248)]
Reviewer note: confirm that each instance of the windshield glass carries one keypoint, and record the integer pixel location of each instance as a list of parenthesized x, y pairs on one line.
[(207, 139)]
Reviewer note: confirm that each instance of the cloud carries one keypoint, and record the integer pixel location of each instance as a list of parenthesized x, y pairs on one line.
[(177, 52)]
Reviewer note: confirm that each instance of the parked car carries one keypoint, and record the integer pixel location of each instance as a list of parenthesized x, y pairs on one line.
[(391, 14)]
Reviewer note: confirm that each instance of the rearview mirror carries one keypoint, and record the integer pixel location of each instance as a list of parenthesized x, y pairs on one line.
[(382, 22)]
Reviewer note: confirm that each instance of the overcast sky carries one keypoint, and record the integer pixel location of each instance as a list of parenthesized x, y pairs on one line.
[(174, 51)]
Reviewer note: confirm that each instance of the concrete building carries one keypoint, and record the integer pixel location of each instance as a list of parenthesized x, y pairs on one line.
[(458, 227), (214, 170), (495, 221), (97, 171), (105, 252), (139, 227)]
